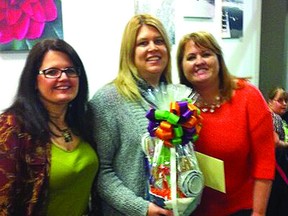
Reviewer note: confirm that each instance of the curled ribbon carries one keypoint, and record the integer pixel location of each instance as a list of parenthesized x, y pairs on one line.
[(180, 125)]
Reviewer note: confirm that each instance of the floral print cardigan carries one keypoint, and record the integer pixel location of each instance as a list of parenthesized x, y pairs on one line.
[(24, 170)]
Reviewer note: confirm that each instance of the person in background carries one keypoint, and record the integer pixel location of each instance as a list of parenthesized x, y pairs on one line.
[(118, 111), (237, 129), (47, 166), (277, 205), (277, 102)]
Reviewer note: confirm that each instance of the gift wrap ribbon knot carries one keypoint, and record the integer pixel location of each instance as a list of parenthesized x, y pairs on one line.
[(179, 125)]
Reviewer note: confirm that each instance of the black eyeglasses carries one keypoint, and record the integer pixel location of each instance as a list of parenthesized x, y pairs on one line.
[(54, 73)]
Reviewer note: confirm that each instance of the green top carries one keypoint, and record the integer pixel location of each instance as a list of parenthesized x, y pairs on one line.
[(285, 127), (71, 177)]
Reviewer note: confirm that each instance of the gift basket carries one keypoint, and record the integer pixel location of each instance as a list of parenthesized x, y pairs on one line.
[(175, 180)]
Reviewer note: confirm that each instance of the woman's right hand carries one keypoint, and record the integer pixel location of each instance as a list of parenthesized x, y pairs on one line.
[(155, 210)]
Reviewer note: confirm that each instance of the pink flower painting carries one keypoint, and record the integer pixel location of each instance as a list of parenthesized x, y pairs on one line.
[(27, 20)]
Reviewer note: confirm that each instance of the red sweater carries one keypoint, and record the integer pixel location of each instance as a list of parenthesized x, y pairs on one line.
[(240, 133)]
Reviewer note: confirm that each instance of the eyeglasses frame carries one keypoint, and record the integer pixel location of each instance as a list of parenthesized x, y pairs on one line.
[(62, 71)]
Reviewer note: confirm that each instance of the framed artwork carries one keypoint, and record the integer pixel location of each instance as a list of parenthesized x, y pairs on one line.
[(164, 10), (232, 18), (24, 23), (198, 8)]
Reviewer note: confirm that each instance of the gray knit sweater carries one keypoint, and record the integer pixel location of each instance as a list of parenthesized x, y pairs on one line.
[(118, 127)]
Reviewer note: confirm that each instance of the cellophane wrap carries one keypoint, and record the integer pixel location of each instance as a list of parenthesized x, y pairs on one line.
[(175, 180)]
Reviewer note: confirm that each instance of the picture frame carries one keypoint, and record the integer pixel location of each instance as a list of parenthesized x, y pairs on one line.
[(24, 23), (232, 19)]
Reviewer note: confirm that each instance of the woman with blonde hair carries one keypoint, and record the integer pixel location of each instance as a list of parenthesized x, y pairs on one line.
[(118, 119)]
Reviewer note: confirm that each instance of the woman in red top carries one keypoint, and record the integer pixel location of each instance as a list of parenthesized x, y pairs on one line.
[(237, 128)]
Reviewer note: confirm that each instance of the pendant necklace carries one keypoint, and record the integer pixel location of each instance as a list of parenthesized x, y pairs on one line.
[(66, 133)]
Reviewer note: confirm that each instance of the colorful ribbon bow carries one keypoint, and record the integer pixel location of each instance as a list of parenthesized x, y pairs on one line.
[(178, 126)]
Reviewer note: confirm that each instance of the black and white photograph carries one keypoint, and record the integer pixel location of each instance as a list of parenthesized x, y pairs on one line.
[(232, 18)]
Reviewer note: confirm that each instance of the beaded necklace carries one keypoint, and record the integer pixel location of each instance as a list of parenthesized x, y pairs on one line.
[(211, 107)]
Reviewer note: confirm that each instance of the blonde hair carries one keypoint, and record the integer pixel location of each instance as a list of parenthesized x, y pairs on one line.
[(206, 40), (128, 73)]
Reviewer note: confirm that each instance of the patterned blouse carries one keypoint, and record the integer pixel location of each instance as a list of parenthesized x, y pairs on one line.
[(278, 126), (24, 170)]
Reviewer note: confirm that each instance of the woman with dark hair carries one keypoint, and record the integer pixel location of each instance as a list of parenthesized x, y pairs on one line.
[(237, 129), (47, 165)]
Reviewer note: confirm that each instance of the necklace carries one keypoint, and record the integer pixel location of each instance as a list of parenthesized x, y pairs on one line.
[(66, 133), (211, 107)]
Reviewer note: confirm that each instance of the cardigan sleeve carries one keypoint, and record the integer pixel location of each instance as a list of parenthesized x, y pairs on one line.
[(102, 108)]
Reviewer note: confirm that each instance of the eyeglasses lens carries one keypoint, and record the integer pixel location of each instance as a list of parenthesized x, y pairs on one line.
[(54, 73)]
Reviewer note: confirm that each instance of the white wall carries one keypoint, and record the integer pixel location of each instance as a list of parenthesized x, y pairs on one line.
[(94, 29)]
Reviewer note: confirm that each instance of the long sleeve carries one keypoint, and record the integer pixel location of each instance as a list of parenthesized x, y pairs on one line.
[(117, 130), (261, 135), (9, 152), (24, 167)]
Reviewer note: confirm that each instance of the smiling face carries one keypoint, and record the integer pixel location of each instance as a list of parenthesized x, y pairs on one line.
[(200, 65), (151, 56), (59, 91)]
